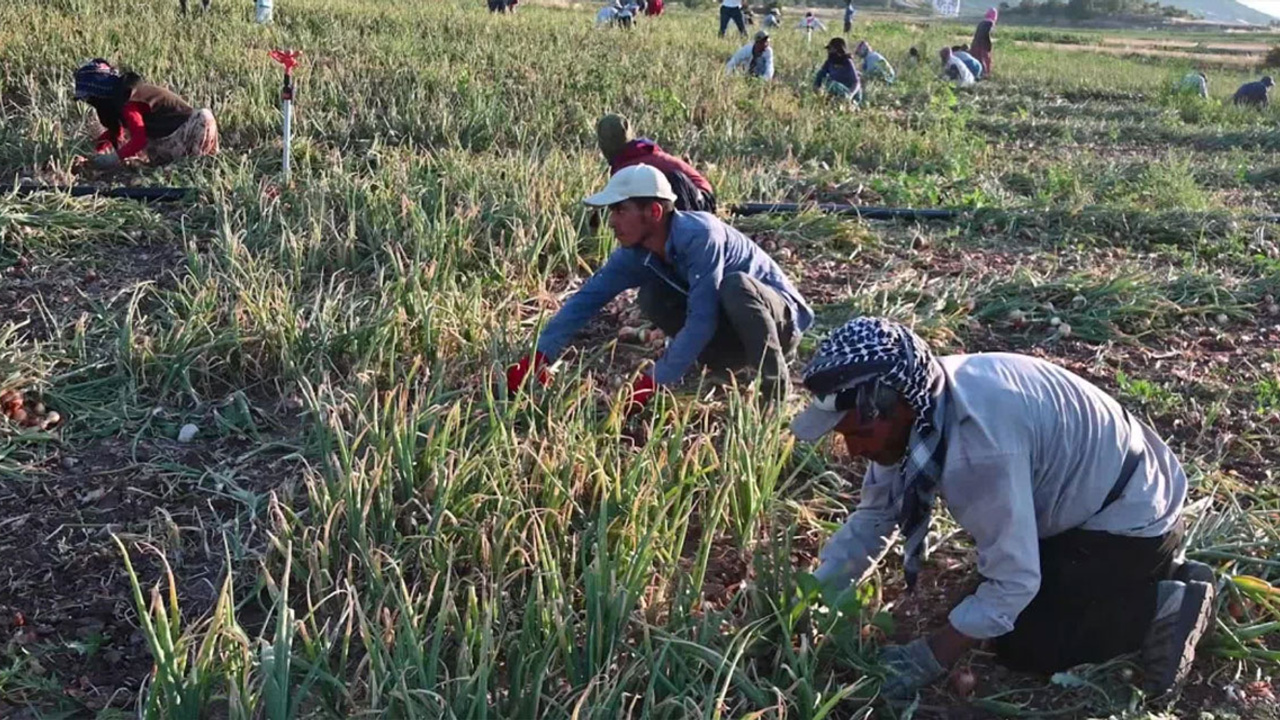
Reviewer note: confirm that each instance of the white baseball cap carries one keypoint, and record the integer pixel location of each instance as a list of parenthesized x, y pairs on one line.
[(635, 181)]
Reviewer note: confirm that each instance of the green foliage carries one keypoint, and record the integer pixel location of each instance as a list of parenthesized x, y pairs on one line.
[(440, 550)]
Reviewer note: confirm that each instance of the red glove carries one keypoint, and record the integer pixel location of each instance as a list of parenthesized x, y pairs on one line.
[(642, 391), (517, 373)]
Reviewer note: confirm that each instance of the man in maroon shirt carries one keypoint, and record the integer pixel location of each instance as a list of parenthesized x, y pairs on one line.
[(622, 149), (156, 120)]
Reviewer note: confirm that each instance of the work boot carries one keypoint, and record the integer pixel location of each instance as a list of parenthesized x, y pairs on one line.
[(1190, 570), (1183, 612)]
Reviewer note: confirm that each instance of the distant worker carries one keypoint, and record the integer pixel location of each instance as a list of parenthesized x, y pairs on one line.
[(654, 8), (626, 15), (961, 53), (838, 76), (616, 14), (849, 13), (755, 58), (874, 65), (732, 10), (157, 121), (607, 14), (622, 149), (773, 19), (913, 57), (1194, 83), (980, 48), (810, 22), (1254, 93), (954, 69)]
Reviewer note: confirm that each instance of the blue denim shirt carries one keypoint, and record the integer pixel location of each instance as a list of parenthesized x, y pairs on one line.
[(970, 62), (701, 250)]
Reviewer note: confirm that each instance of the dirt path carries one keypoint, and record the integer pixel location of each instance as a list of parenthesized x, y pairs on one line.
[(1233, 61), (1226, 48)]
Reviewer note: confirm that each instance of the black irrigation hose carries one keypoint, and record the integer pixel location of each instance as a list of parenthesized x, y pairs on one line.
[(174, 194), (879, 213), (146, 194), (870, 213)]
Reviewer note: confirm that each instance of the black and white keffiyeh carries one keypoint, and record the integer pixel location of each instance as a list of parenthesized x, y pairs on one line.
[(876, 350)]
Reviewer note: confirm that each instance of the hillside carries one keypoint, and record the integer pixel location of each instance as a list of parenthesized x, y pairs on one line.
[(1227, 11), (1224, 11)]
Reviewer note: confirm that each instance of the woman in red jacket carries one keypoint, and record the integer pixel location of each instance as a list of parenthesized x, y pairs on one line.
[(621, 148), (155, 119)]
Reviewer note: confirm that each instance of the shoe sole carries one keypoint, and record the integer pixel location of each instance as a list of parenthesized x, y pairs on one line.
[(1191, 570), (1195, 614)]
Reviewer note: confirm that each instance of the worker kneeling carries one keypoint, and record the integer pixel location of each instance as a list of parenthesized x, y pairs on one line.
[(157, 121), (1073, 504), (719, 297)]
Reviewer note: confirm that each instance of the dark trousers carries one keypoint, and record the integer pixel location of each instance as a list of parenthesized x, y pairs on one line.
[(1097, 598), (983, 56), (756, 327), (735, 14)]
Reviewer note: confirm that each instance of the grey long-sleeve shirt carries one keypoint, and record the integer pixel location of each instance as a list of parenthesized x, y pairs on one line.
[(1033, 450)]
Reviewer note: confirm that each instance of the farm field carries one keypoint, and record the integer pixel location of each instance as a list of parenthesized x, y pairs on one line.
[(363, 525)]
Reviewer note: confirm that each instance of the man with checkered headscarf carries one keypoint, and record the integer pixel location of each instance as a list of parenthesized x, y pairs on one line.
[(1072, 503)]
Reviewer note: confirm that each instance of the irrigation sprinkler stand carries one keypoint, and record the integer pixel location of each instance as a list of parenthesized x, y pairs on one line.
[(289, 59)]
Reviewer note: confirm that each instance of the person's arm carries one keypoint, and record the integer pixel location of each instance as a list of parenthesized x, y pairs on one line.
[(619, 273), (687, 194), (131, 119), (993, 501), (823, 72), (865, 536), (768, 64), (704, 253), (108, 140), (737, 59)]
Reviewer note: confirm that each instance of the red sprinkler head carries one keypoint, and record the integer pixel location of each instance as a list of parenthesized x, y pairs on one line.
[(287, 58)]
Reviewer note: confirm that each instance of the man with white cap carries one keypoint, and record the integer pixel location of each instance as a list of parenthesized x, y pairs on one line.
[(719, 297), (1072, 503), (755, 57)]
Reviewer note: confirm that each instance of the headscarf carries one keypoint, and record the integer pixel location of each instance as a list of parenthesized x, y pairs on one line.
[(992, 14), (862, 49), (613, 132), (850, 363), (97, 79), (837, 48)]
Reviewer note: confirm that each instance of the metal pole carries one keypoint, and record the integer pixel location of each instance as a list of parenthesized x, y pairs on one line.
[(289, 59), (287, 107)]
